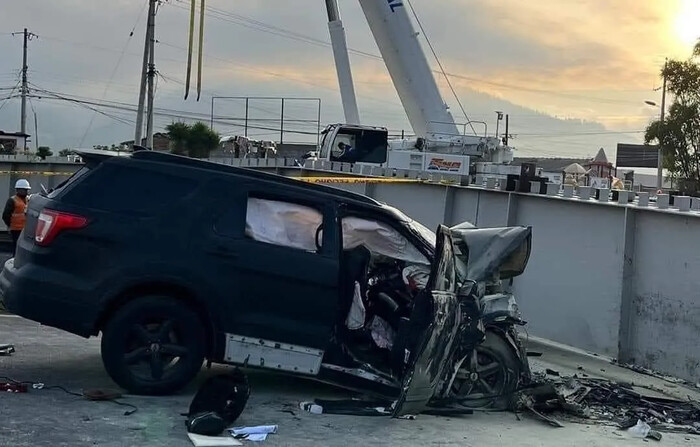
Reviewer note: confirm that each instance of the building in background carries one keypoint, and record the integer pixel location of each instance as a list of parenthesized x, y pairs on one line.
[(161, 142), (600, 167), (12, 142)]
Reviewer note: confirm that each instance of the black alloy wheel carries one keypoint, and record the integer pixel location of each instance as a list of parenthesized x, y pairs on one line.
[(153, 345)]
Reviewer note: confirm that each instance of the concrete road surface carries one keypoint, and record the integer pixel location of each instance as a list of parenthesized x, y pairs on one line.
[(53, 418)]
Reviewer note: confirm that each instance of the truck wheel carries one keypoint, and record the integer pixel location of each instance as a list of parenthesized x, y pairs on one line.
[(490, 379), (153, 345)]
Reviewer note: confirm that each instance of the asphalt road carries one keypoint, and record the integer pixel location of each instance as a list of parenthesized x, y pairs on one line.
[(50, 417)]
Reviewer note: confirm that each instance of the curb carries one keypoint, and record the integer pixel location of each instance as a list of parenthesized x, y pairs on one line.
[(534, 342)]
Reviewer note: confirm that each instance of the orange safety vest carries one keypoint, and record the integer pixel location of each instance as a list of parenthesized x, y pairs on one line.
[(19, 216)]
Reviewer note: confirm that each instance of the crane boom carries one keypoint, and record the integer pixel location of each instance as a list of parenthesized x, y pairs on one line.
[(409, 69), (342, 63), (438, 144)]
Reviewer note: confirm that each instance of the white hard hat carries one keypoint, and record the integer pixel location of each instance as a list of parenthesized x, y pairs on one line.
[(22, 184)]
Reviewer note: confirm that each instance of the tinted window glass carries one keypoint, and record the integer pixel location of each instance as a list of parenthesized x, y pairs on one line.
[(368, 146), (72, 179), (129, 190)]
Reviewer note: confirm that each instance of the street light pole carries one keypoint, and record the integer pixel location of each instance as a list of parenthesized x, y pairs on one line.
[(660, 162)]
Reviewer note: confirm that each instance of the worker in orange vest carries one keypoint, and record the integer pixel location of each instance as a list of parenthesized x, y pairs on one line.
[(14, 214)]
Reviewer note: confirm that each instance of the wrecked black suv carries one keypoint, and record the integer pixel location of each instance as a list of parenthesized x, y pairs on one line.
[(176, 261)]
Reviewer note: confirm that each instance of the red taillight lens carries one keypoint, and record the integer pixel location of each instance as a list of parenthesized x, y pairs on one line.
[(51, 223)]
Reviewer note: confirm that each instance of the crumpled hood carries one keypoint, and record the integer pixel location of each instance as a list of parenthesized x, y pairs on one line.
[(486, 251)]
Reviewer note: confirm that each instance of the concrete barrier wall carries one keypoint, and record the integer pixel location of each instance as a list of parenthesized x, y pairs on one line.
[(665, 310), (571, 289)]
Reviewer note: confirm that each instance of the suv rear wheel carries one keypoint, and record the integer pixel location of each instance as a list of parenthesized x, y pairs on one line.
[(153, 345)]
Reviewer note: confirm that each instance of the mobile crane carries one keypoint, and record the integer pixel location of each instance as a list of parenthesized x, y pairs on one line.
[(438, 145)]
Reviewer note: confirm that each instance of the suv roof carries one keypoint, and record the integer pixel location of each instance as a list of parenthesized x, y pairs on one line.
[(98, 156)]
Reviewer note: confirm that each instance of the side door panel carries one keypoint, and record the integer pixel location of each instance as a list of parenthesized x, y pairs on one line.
[(282, 294), (435, 322)]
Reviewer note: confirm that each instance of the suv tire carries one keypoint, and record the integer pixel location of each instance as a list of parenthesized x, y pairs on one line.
[(153, 345), (500, 376)]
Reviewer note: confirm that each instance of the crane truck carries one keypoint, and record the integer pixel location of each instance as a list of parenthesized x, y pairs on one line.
[(440, 143)]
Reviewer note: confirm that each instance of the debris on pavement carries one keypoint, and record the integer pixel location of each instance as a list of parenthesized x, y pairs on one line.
[(655, 435), (6, 350), (607, 401), (12, 387), (257, 434), (212, 441), (349, 407), (641, 430), (311, 407)]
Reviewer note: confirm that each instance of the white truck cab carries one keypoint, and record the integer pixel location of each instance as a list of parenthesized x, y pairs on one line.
[(369, 145)]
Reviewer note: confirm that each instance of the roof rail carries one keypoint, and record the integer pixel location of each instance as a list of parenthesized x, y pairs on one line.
[(251, 173)]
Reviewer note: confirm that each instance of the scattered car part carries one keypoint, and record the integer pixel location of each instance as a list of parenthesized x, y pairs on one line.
[(225, 394), (7, 350), (208, 423)]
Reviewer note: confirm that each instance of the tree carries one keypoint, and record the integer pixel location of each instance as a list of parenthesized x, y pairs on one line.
[(196, 140), (679, 135), (43, 152), (65, 152)]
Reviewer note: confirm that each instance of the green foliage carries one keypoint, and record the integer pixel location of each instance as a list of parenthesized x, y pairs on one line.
[(196, 140), (679, 134), (43, 152)]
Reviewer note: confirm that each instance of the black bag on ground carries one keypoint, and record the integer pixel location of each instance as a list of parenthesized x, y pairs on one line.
[(218, 403)]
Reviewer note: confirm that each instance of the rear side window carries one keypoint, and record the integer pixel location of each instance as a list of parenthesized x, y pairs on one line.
[(72, 179), (283, 223), (129, 190), (274, 222)]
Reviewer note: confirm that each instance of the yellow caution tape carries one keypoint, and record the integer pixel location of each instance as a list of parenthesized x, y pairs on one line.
[(355, 180)]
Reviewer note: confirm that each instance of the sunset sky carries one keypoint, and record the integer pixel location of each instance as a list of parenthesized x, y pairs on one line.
[(573, 74)]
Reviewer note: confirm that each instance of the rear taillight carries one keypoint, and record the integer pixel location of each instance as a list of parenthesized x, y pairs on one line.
[(51, 223)]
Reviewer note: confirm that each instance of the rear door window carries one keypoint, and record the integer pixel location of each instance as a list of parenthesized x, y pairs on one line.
[(130, 190), (282, 223)]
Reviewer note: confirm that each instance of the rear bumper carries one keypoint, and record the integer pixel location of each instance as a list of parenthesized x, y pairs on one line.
[(47, 297)]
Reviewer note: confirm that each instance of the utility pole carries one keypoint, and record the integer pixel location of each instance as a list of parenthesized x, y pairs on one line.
[(151, 81), (145, 71), (660, 161), (27, 36), (505, 141), (23, 127)]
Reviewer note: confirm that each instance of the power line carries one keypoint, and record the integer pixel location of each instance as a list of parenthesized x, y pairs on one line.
[(84, 104), (93, 104), (11, 95), (114, 71), (442, 69), (248, 22)]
